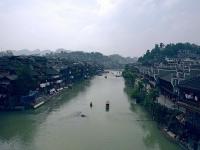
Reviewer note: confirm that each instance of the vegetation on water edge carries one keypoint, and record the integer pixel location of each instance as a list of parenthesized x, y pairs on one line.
[(129, 75), (147, 97)]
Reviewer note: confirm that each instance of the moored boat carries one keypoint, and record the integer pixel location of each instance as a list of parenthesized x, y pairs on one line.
[(107, 106)]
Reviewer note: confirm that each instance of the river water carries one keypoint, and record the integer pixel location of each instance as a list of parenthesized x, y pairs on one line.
[(58, 124)]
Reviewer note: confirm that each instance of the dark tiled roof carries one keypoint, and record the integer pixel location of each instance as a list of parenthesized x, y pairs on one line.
[(9, 77), (12, 77), (193, 83), (51, 71), (194, 73), (195, 67), (166, 77), (166, 74)]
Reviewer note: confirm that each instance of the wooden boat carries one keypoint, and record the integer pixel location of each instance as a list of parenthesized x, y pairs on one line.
[(91, 104), (107, 106)]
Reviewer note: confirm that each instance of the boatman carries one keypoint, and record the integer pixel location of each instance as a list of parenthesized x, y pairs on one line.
[(90, 104), (107, 106)]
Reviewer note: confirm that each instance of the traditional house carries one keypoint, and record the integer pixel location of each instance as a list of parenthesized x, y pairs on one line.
[(29, 100), (54, 80), (6, 88), (189, 104), (189, 101)]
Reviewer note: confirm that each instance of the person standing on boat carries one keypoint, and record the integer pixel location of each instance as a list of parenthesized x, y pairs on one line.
[(91, 104), (107, 106)]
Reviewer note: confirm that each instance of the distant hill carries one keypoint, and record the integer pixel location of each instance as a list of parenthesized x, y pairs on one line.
[(27, 52), (36, 52), (178, 50), (112, 61), (122, 60), (59, 50)]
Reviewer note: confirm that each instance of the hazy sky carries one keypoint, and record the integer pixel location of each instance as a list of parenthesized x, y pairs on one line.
[(127, 27)]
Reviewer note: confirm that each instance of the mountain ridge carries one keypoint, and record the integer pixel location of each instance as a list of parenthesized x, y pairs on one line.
[(108, 61)]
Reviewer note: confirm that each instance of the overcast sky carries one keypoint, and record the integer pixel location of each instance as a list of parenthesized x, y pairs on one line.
[(127, 27)]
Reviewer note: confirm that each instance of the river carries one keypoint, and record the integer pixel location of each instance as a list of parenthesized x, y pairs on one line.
[(58, 125)]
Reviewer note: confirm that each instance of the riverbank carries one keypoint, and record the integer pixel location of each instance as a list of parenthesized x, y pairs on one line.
[(164, 123), (146, 96), (43, 99), (163, 109)]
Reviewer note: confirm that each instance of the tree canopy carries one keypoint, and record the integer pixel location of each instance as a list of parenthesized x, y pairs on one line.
[(161, 51)]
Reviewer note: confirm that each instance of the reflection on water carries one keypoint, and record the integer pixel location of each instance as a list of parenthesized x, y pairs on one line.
[(150, 138), (68, 122)]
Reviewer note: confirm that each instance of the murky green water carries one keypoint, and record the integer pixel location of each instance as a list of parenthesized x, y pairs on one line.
[(58, 125)]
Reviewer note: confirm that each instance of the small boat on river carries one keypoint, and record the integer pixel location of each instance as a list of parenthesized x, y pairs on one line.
[(107, 106), (91, 104)]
